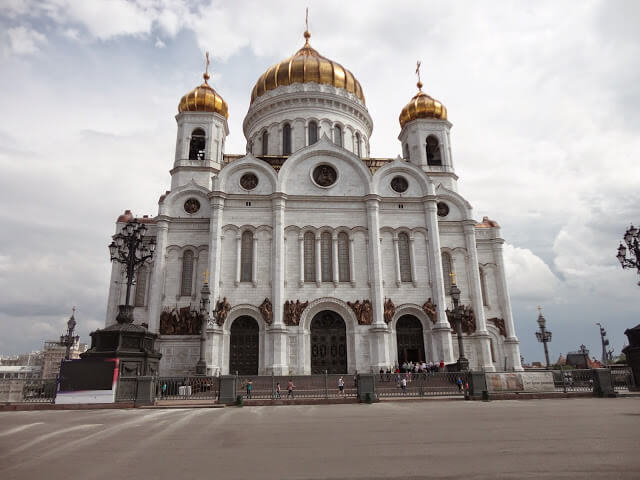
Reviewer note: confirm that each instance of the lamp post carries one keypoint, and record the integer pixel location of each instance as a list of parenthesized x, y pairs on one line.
[(605, 342), (543, 335), (69, 339), (130, 249), (633, 244), (463, 363), (201, 366)]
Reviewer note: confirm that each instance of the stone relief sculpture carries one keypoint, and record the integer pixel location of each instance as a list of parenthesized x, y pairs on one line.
[(222, 310), (468, 319), (499, 323), (266, 309), (389, 310), (363, 311), (430, 309), (292, 311), (183, 321)]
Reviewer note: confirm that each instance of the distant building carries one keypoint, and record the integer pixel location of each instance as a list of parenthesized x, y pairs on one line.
[(54, 352)]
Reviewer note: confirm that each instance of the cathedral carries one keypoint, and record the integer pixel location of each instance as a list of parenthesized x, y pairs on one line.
[(318, 256)]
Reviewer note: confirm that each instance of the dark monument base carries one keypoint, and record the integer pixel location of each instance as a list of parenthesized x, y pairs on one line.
[(632, 352)]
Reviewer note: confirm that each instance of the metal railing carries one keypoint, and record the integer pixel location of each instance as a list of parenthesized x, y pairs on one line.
[(304, 386), (420, 384), (39, 391), (621, 378), (573, 380), (188, 388), (127, 389)]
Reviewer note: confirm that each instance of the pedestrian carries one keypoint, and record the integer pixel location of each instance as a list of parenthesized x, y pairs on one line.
[(341, 386), (249, 387), (382, 374), (441, 366), (290, 387), (459, 382), (278, 390), (403, 384)]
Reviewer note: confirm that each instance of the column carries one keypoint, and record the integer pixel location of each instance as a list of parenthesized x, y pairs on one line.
[(157, 277), (214, 342), (379, 333), (318, 260), (352, 272), (238, 259), (412, 259), (442, 329), (481, 335), (254, 260), (277, 333), (396, 254), (511, 343), (301, 255), (335, 266)]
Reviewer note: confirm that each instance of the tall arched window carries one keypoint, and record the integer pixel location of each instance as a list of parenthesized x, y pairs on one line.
[(433, 151), (357, 152), (343, 257), (187, 273), (197, 145), (483, 286), (246, 256), (265, 143), (446, 272), (141, 285), (405, 258), (313, 133), (286, 139), (309, 257), (337, 135), (326, 257), (405, 151)]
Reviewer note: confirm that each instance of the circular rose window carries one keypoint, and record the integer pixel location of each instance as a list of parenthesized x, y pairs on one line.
[(192, 205), (248, 181), (325, 175), (443, 209), (399, 184)]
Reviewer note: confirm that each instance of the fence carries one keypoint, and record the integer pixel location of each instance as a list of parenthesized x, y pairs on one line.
[(304, 386), (188, 388), (621, 378), (573, 380), (420, 384), (127, 389)]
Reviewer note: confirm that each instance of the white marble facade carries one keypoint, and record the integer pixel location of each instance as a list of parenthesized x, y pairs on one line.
[(370, 241)]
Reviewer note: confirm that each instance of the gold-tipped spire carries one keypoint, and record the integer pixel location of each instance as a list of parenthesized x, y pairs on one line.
[(307, 33), (419, 84), (421, 105), (203, 98), (453, 278), (206, 75)]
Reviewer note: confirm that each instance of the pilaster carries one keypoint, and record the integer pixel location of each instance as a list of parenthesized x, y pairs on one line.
[(157, 278), (277, 334)]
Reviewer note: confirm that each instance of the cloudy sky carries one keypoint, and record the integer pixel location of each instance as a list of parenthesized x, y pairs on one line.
[(544, 98)]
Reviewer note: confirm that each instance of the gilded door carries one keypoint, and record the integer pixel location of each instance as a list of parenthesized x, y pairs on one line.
[(328, 343)]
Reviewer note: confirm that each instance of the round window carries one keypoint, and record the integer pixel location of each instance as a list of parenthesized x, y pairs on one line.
[(325, 175), (192, 205), (249, 181), (443, 209), (399, 184)]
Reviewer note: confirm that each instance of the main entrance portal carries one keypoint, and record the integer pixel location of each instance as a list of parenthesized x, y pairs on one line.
[(328, 343), (244, 346), (410, 340)]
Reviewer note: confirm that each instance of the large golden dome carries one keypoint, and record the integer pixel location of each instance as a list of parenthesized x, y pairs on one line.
[(422, 106), (307, 66), (203, 98)]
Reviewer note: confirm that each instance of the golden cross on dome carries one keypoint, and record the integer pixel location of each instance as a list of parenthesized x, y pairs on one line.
[(206, 75), (453, 278), (206, 276), (418, 65), (306, 20), (540, 309), (73, 311), (307, 34)]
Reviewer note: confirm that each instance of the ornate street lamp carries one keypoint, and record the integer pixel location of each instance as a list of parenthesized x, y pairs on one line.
[(201, 366), (130, 248), (463, 363), (543, 335), (633, 244), (69, 339), (605, 342)]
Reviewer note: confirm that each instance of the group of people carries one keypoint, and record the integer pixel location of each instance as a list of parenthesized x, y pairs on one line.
[(411, 367), (290, 389)]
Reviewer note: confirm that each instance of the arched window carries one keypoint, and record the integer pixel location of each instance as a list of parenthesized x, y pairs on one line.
[(326, 257), (197, 145), (309, 257), (141, 285), (313, 133), (405, 151), (405, 258), (246, 256), (187, 273), (483, 287), (433, 151), (337, 135), (343, 257), (446, 272), (357, 152), (286, 139), (265, 143)]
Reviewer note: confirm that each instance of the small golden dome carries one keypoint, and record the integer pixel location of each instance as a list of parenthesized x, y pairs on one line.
[(307, 66), (203, 99), (422, 106)]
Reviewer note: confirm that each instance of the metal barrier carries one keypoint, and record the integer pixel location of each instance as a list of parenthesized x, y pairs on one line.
[(621, 378), (304, 386), (188, 388), (127, 389), (573, 380), (39, 391), (420, 384)]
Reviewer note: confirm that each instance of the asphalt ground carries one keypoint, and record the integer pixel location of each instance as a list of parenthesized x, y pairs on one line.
[(567, 438)]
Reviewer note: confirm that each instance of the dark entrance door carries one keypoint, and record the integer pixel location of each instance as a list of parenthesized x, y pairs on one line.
[(328, 343), (244, 347), (410, 340)]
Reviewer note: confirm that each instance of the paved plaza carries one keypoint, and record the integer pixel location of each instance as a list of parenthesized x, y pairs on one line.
[(575, 438)]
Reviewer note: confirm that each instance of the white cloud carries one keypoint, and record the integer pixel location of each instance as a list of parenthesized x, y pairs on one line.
[(528, 277), (159, 43), (24, 40)]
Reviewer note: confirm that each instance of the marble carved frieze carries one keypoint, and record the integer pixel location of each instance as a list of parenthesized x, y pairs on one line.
[(180, 321), (292, 311), (362, 311)]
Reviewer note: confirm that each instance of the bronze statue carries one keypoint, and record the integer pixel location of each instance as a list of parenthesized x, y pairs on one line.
[(499, 323), (430, 309), (389, 311), (266, 309), (363, 311), (183, 321), (292, 311), (468, 318), (222, 310)]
